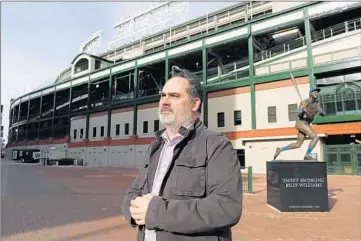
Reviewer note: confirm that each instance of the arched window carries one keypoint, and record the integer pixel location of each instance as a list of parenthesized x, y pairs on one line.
[(348, 97), (81, 65)]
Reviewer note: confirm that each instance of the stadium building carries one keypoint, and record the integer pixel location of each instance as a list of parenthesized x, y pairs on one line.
[(103, 108)]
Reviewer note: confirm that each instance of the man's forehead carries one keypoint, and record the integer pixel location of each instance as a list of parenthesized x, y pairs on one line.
[(176, 84)]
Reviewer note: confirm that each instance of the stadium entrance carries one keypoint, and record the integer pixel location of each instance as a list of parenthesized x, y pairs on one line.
[(345, 158)]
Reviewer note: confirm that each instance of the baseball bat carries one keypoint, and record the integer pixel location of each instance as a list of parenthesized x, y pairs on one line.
[(296, 87)]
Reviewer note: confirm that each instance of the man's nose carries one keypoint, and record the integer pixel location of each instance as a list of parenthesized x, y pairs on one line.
[(165, 100)]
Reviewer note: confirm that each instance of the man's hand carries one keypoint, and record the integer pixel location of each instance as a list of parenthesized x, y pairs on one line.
[(303, 105), (138, 208)]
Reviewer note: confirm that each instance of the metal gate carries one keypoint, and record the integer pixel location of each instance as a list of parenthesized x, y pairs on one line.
[(343, 159)]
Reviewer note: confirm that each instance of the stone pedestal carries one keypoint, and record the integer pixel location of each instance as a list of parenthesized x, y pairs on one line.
[(297, 186)]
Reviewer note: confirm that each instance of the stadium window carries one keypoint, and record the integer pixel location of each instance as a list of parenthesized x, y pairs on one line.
[(292, 112), (74, 134), (94, 131), (237, 118), (272, 116), (97, 64), (81, 65), (220, 119), (81, 133), (126, 129), (101, 131), (145, 126), (156, 125), (117, 130)]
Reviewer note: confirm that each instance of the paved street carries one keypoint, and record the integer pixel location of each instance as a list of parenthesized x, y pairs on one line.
[(38, 204), (82, 203)]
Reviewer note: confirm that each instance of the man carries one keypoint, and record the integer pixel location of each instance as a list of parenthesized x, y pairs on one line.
[(308, 109), (189, 187)]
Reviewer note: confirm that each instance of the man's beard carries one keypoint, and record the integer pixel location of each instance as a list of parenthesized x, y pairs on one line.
[(171, 122)]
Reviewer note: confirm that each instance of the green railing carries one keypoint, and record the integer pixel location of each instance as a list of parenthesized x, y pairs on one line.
[(322, 34), (240, 68), (344, 27), (247, 179)]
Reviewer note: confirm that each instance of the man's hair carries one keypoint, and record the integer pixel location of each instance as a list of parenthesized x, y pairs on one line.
[(195, 89)]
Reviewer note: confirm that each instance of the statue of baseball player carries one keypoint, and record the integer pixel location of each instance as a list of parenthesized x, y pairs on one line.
[(308, 109)]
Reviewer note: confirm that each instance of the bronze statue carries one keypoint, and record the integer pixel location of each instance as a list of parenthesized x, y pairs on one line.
[(308, 109)]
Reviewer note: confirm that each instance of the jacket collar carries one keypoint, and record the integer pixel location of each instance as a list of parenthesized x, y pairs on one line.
[(185, 132)]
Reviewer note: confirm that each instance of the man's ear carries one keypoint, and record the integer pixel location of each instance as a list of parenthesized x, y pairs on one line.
[(196, 104)]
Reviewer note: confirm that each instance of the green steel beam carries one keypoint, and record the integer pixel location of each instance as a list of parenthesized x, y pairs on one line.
[(69, 111), (280, 76), (40, 113), (183, 54), (148, 99), (123, 71), (53, 118), (63, 115), (337, 66), (123, 104), (204, 79), (110, 103), (228, 85), (156, 61), (27, 121), (237, 38), (309, 49), (135, 106), (98, 109), (204, 64), (166, 76), (87, 114), (279, 26), (18, 118), (251, 77), (337, 119), (100, 79)]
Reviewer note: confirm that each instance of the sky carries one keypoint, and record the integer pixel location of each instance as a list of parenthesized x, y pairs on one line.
[(40, 39)]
